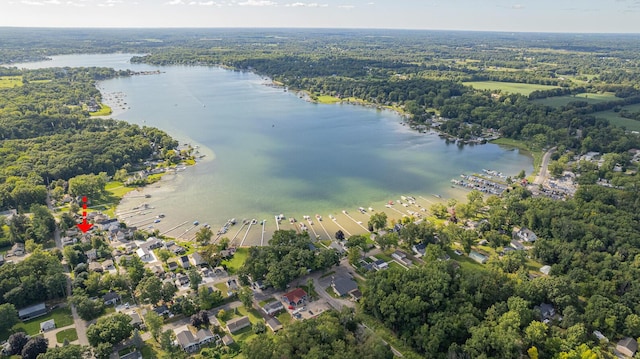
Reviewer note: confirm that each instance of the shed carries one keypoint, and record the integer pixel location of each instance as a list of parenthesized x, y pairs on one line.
[(478, 257), (227, 340), (47, 325), (237, 324), (627, 347), (274, 324)]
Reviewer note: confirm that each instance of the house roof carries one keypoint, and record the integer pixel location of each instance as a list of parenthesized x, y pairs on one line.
[(400, 254), (274, 324), (238, 323), (197, 259), (51, 323), (135, 318), (204, 334), (628, 343), (227, 340), (344, 285), (36, 308), (295, 295), (185, 338), (110, 296), (273, 306)]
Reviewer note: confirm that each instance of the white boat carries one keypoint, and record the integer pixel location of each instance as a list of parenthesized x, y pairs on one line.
[(318, 217)]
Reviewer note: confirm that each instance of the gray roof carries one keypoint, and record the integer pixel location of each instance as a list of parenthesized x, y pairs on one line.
[(238, 323), (344, 285), (185, 338), (273, 306), (274, 324), (28, 311)]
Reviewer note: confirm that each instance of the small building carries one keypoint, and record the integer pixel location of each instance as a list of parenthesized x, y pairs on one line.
[(380, 264), (111, 298), (478, 257), (273, 308), (136, 321), (47, 325), (197, 260), (295, 297), (232, 285), (182, 279), (338, 247), (144, 254), (108, 265), (227, 340), (17, 249), (237, 324), (419, 249), (161, 310), (399, 255), (343, 285), (525, 234), (184, 261), (274, 324), (204, 336), (355, 294), (219, 272), (545, 269), (517, 245), (547, 311), (627, 347), (67, 241), (95, 267), (33, 311), (172, 265)]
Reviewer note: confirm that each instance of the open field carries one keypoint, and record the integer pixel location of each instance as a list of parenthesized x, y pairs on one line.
[(10, 81), (513, 87), (615, 118), (328, 99), (62, 316), (588, 97), (103, 111), (237, 261)]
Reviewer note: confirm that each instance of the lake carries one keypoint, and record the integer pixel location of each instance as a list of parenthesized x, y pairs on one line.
[(267, 151)]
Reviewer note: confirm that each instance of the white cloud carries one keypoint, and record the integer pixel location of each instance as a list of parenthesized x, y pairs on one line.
[(257, 3), (517, 7), (301, 4), (53, 2), (175, 2), (348, 7), (371, 3), (34, 3)]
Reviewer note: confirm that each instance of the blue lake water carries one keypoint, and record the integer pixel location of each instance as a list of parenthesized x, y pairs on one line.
[(270, 152)]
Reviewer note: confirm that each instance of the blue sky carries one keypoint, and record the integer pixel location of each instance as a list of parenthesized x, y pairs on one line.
[(493, 15)]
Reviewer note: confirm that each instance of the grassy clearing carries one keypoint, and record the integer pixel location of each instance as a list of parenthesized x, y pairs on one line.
[(10, 81), (387, 335), (103, 111), (588, 97), (512, 87), (326, 99), (62, 317), (68, 334), (615, 119), (152, 350), (267, 301), (284, 318), (237, 261)]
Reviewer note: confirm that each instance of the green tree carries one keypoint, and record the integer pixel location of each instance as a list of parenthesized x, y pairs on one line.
[(111, 329), (90, 185), (378, 220), (203, 236), (154, 322), (8, 316), (194, 278), (149, 290), (164, 255), (103, 350), (245, 294), (34, 347), (353, 255), (66, 352)]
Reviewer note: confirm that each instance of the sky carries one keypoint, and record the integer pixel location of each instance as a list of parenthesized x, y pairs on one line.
[(591, 16)]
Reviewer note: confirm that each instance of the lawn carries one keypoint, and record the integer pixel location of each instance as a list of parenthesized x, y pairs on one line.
[(152, 350), (10, 81), (588, 97), (253, 314), (330, 291), (62, 316), (384, 257), (327, 99), (266, 301), (512, 87), (237, 261), (68, 334), (284, 318), (103, 111), (394, 264)]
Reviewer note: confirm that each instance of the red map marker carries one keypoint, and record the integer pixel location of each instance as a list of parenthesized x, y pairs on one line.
[(84, 226)]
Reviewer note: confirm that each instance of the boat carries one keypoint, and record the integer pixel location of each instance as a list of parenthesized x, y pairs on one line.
[(437, 195), (318, 217), (195, 223), (233, 221), (147, 196), (370, 209), (345, 212), (332, 217), (254, 221)]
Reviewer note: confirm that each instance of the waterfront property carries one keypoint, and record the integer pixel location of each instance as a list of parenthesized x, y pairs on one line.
[(238, 324)]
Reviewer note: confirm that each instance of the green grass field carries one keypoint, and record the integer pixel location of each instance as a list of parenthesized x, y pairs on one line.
[(512, 87), (10, 81), (237, 261), (103, 111), (615, 119), (325, 99), (588, 97), (68, 334), (62, 316)]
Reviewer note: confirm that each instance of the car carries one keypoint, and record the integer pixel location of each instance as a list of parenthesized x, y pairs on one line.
[(291, 307), (310, 312), (458, 252), (126, 305)]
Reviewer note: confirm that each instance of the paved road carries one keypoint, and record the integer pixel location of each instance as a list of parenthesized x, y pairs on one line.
[(544, 173)]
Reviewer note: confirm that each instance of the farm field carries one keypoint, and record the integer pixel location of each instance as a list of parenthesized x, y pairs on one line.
[(512, 87), (615, 118), (10, 81), (588, 97)]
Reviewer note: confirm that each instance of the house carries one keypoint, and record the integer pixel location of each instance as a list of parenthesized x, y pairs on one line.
[(17, 249), (273, 308), (108, 265), (419, 249), (274, 324), (182, 279), (157, 270), (47, 325), (355, 294), (232, 284), (111, 298), (547, 311), (627, 347), (33, 311), (172, 265), (184, 261), (197, 260), (105, 224), (399, 255), (176, 249), (95, 267), (517, 245), (161, 310), (228, 253), (219, 272), (136, 321), (525, 234), (337, 246), (67, 241), (204, 336), (227, 340), (478, 257), (295, 297), (187, 341), (545, 269), (152, 243), (237, 324), (380, 264), (144, 254), (91, 254), (206, 272), (343, 285)]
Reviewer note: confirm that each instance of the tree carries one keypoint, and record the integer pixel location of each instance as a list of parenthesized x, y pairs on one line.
[(111, 329), (353, 255), (66, 352), (154, 322), (16, 342), (208, 299), (136, 339), (203, 236), (8, 316), (245, 294), (91, 186), (378, 220), (259, 327), (194, 278), (339, 235), (103, 350), (200, 319), (221, 314), (168, 291), (87, 309), (34, 347), (166, 342), (149, 290)]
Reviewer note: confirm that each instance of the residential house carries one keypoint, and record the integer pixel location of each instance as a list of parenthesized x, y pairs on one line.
[(295, 297), (228, 253), (108, 265), (95, 267), (517, 245), (187, 341), (144, 254), (627, 347), (205, 336), (182, 279), (547, 311), (355, 294), (172, 265), (419, 249), (273, 308), (157, 270), (107, 224), (91, 254), (478, 257), (525, 234), (380, 264), (338, 247), (184, 261), (161, 310), (237, 324), (17, 249), (152, 243), (399, 255), (546, 269), (47, 325), (232, 284), (176, 249), (33, 311), (136, 321), (343, 285), (111, 298), (197, 260), (206, 272), (274, 324), (227, 340), (68, 241)]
